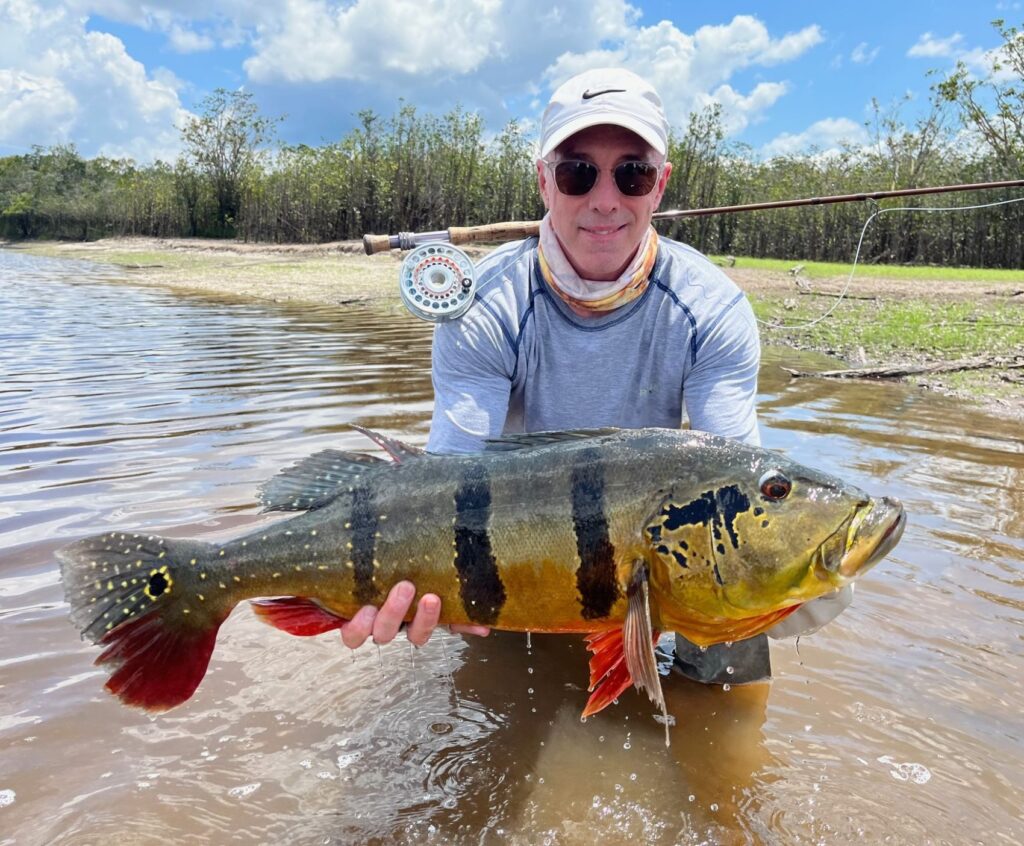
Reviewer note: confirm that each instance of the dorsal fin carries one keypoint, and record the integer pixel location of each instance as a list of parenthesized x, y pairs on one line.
[(316, 480), (532, 439), (398, 450)]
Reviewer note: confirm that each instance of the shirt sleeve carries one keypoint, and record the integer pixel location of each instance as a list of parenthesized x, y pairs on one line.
[(720, 388), (472, 363)]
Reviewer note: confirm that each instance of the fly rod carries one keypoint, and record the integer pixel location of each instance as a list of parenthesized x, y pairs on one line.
[(513, 230), (437, 280)]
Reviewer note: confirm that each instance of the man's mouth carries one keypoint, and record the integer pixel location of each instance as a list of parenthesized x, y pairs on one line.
[(603, 230)]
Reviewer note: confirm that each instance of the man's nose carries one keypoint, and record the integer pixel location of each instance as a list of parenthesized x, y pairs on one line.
[(604, 196)]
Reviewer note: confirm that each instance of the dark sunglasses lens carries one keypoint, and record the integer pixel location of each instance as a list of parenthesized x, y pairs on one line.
[(575, 178), (635, 179)]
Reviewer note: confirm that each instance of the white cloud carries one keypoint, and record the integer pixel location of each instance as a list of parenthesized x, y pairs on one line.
[(825, 136), (60, 83), (186, 40), (930, 47), (319, 40), (862, 55), (691, 71)]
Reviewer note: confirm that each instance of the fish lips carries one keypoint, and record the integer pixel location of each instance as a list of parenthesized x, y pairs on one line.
[(863, 540)]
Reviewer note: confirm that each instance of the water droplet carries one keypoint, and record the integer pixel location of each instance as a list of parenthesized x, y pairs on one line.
[(703, 649), (596, 802), (730, 670), (528, 643), (529, 690), (632, 776), (529, 669), (728, 643), (691, 797), (583, 719), (627, 745), (726, 686), (601, 739), (714, 806), (540, 780)]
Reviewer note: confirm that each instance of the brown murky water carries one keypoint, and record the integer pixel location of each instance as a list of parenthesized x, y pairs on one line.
[(122, 408)]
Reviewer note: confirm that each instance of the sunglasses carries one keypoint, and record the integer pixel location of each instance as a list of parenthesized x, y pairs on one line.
[(576, 177)]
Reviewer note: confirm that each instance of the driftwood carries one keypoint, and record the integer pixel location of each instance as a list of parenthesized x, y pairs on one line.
[(897, 371), (806, 293)]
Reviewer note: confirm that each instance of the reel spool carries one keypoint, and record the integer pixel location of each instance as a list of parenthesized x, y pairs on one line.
[(437, 282)]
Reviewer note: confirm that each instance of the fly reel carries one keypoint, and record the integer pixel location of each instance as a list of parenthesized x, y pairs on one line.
[(437, 282)]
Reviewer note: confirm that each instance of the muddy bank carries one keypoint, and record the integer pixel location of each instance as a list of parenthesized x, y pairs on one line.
[(340, 274)]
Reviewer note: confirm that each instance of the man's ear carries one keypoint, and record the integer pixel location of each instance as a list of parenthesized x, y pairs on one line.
[(542, 182), (662, 184)]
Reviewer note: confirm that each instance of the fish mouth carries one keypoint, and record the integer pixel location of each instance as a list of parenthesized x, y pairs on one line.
[(862, 540)]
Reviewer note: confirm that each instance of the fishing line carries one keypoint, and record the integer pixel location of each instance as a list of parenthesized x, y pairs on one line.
[(860, 244)]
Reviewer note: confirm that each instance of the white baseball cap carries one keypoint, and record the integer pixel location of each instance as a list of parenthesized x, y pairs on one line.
[(604, 96)]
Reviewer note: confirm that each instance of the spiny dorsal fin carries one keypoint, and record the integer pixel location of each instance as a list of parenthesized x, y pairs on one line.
[(397, 449), (532, 439), (316, 480)]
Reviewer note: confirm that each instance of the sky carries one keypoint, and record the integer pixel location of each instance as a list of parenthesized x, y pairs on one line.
[(119, 78)]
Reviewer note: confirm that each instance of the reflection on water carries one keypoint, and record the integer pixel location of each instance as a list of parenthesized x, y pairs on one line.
[(129, 408)]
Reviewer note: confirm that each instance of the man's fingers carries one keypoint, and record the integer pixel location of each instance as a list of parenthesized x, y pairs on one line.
[(355, 632), (423, 624), (392, 612), (471, 629)]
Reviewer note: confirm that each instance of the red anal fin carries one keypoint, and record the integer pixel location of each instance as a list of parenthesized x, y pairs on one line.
[(297, 615), (609, 675), (158, 666)]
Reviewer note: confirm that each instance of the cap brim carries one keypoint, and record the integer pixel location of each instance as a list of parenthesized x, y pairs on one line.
[(638, 127)]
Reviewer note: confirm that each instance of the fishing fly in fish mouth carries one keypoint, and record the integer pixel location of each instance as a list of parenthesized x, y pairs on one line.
[(618, 534)]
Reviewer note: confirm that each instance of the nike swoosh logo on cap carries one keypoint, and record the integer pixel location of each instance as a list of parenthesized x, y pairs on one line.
[(588, 94)]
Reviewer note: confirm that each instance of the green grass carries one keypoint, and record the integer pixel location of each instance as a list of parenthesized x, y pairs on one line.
[(824, 269), (886, 330)]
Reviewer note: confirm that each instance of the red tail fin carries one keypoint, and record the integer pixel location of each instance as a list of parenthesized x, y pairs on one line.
[(296, 615), (609, 675), (157, 666)]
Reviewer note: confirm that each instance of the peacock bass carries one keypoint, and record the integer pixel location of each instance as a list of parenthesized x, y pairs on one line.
[(618, 534)]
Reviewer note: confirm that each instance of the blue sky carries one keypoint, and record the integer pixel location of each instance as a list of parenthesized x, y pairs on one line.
[(119, 78)]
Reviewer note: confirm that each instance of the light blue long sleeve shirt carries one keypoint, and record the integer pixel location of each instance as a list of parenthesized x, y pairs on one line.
[(521, 361)]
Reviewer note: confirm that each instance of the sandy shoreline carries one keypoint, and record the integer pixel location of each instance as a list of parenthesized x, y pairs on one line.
[(340, 273)]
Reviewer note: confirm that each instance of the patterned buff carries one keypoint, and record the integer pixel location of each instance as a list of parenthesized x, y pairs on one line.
[(586, 295)]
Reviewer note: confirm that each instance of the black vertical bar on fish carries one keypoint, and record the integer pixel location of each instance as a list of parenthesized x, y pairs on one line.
[(595, 577), (480, 586), (364, 543)]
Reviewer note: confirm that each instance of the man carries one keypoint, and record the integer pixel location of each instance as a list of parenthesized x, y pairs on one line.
[(599, 322)]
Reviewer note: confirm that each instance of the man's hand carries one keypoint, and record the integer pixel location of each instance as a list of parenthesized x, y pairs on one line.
[(383, 624)]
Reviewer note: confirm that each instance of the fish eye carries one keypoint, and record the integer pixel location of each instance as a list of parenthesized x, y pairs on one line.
[(774, 485)]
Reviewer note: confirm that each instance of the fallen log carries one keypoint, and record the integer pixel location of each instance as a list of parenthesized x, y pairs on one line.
[(898, 371)]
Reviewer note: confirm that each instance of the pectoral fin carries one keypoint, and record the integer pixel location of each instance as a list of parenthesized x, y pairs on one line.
[(626, 655)]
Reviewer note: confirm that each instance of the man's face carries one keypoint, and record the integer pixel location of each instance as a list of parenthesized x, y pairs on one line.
[(601, 230)]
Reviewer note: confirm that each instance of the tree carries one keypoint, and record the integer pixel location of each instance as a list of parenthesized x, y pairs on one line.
[(994, 106), (224, 143)]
